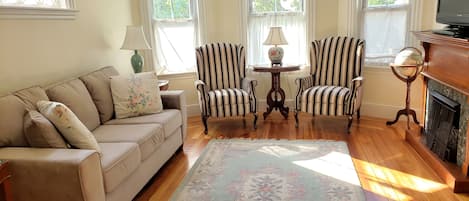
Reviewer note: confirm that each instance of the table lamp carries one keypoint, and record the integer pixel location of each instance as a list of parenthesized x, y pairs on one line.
[(275, 38), (135, 40)]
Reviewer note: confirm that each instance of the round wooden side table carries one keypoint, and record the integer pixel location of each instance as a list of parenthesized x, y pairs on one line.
[(276, 95), (163, 85)]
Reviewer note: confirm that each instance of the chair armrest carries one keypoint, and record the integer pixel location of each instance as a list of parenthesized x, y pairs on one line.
[(202, 91), (54, 174), (357, 92), (249, 84), (302, 83), (176, 99)]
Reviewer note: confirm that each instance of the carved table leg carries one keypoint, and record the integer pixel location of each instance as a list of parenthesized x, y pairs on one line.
[(273, 99)]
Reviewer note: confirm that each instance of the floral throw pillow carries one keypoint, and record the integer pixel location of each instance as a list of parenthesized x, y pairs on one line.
[(71, 128), (136, 95)]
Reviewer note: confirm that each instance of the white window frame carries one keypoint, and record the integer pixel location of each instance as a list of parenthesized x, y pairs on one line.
[(308, 9), (356, 18), (31, 12)]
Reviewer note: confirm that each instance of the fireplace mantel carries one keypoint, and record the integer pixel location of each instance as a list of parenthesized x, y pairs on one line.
[(447, 62)]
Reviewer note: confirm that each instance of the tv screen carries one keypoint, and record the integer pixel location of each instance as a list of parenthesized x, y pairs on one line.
[(453, 12)]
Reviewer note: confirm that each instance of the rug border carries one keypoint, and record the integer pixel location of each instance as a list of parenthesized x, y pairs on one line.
[(204, 152)]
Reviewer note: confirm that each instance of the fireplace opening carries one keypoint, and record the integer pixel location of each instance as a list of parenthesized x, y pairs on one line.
[(441, 130)]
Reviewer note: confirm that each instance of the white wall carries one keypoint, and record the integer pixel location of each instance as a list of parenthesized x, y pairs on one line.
[(41, 52)]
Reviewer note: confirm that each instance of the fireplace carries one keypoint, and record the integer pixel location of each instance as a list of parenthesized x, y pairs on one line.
[(442, 126), (442, 140)]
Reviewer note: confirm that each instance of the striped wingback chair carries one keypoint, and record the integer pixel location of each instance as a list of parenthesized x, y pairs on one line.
[(222, 87), (333, 87)]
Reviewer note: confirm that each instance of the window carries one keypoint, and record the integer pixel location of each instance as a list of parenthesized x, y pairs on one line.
[(175, 32), (57, 9), (386, 29), (290, 15)]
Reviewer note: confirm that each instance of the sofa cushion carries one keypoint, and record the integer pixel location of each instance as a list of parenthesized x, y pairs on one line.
[(69, 125), (136, 95), (30, 96), (170, 119), (119, 160), (99, 86), (11, 122), (40, 132), (148, 136), (76, 97)]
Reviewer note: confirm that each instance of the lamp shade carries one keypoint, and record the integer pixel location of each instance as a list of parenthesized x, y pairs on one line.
[(275, 37), (135, 39)]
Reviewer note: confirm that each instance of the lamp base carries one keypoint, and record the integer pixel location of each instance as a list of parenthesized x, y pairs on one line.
[(276, 55), (137, 62)]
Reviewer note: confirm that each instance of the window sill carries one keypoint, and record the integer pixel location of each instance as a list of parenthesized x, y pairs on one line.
[(173, 75), (12, 12)]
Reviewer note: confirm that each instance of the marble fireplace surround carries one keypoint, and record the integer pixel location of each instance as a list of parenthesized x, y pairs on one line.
[(446, 71)]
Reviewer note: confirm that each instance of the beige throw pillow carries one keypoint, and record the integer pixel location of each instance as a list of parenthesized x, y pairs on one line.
[(74, 131), (136, 95), (40, 132)]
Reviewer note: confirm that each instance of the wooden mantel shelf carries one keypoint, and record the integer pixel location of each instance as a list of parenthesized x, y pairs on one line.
[(429, 37), (447, 62)]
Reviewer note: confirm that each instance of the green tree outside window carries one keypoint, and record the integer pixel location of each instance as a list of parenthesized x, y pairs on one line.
[(171, 9), (272, 6)]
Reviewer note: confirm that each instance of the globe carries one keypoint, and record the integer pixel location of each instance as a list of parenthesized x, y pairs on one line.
[(408, 61)]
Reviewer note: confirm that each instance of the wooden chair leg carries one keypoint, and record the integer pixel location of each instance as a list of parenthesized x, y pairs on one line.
[(350, 118), (296, 119), (204, 120), (255, 121), (358, 114)]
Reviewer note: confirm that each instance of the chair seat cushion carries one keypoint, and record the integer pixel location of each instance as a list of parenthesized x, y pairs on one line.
[(228, 102), (148, 136), (170, 119), (119, 160), (325, 100)]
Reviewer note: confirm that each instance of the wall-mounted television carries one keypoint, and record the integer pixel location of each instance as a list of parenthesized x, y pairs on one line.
[(454, 13)]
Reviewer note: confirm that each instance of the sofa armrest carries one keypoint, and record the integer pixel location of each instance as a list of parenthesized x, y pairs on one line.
[(176, 99), (54, 174)]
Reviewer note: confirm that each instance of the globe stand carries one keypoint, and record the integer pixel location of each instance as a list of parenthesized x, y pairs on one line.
[(407, 110)]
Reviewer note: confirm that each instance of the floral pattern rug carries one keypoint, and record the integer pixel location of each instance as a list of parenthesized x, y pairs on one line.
[(272, 170)]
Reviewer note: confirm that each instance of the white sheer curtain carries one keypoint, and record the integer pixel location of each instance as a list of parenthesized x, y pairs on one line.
[(175, 43), (385, 31), (294, 29), (35, 3)]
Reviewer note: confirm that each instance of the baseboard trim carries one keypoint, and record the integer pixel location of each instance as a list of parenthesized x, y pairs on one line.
[(367, 109), (383, 111)]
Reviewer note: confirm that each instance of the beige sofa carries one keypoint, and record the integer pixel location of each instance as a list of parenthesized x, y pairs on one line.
[(134, 149)]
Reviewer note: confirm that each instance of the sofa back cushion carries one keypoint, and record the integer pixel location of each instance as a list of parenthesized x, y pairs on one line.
[(75, 96), (11, 122), (99, 86), (30, 96)]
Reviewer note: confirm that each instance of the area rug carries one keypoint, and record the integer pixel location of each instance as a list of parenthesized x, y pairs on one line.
[(272, 170)]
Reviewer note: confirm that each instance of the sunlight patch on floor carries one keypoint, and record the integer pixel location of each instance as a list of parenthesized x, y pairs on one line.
[(334, 164), (391, 183)]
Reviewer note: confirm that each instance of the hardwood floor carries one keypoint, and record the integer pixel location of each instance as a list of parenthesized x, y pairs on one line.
[(388, 168)]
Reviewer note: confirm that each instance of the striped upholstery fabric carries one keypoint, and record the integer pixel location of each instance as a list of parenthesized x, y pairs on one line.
[(228, 102), (221, 65), (335, 61), (325, 100), (225, 92)]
